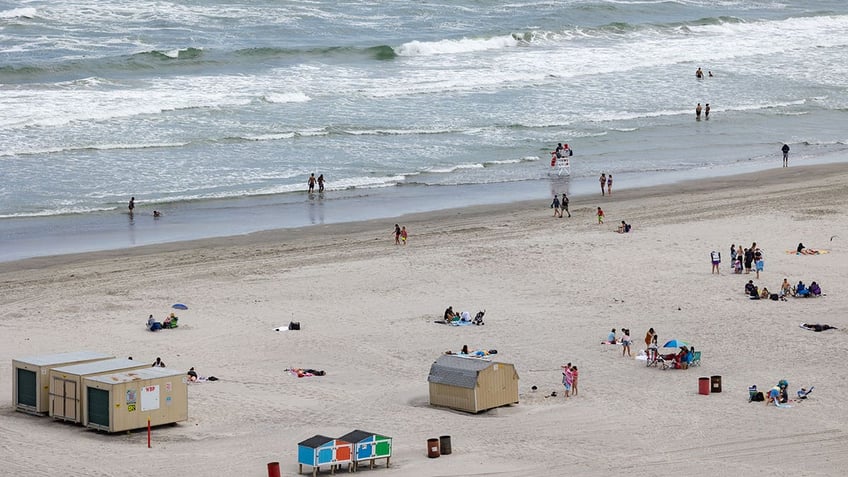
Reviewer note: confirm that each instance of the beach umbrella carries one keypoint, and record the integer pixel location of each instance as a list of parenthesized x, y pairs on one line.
[(675, 344)]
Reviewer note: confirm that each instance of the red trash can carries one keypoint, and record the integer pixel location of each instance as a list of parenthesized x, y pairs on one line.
[(273, 469), (704, 386), (433, 448)]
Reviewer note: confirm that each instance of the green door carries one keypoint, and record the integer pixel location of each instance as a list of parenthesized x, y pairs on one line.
[(98, 407), (27, 389)]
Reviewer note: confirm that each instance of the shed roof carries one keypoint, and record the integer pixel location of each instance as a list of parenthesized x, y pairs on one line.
[(315, 441), (59, 358), (137, 375), (457, 371), (356, 436), (99, 366)]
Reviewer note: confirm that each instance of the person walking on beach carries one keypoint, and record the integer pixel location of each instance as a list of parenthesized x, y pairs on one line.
[(698, 111), (555, 206), (758, 261), (321, 183), (707, 111), (785, 150), (609, 184), (403, 234), (600, 216), (603, 180), (564, 203), (715, 257), (131, 206), (397, 234), (311, 183)]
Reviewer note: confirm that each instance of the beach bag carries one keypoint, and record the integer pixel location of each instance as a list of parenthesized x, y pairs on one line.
[(294, 325), (758, 397), (774, 296)]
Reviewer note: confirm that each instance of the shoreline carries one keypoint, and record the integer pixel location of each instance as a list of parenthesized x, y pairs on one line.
[(31, 237), (335, 231)]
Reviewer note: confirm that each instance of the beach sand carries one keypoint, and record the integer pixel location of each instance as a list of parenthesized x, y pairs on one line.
[(551, 288)]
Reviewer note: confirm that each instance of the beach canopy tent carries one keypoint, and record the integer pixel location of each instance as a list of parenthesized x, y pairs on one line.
[(321, 450), (30, 384), (472, 384), (126, 400), (67, 398), (368, 446)]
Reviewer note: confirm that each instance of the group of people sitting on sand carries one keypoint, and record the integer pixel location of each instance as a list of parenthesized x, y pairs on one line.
[(801, 290), (464, 317), (170, 321)]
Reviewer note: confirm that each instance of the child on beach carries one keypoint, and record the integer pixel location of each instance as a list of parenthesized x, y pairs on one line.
[(403, 234), (600, 216)]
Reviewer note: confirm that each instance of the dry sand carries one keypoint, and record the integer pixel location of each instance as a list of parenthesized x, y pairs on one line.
[(552, 289)]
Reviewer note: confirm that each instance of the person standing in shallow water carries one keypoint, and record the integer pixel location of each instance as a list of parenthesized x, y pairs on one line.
[(698, 111), (603, 180), (321, 183), (785, 150), (131, 206), (609, 184), (707, 111), (311, 183)]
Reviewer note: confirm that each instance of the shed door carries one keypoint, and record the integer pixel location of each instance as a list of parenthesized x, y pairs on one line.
[(64, 399), (98, 407), (27, 389)]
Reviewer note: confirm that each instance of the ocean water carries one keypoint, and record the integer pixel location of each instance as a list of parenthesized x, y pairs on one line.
[(216, 112)]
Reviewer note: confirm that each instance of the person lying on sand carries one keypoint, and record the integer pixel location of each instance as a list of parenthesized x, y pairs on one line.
[(802, 250), (818, 327)]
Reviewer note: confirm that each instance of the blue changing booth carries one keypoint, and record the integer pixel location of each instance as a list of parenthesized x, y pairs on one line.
[(322, 450), (368, 446)]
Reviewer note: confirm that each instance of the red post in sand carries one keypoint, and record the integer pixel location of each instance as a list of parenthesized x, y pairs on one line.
[(148, 433)]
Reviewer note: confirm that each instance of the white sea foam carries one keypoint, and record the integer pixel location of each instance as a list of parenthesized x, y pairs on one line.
[(464, 45), (25, 12), (287, 98)]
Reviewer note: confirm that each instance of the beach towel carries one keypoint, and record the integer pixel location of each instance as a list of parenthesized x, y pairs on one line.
[(818, 252), (179, 306)]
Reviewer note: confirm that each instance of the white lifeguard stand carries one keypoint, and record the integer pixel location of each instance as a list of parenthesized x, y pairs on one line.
[(562, 165)]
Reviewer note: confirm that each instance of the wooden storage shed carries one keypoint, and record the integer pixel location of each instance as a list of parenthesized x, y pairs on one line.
[(472, 384), (124, 401), (322, 450), (30, 382), (66, 397), (368, 446)]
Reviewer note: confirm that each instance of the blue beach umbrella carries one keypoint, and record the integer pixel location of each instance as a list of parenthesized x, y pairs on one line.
[(675, 344)]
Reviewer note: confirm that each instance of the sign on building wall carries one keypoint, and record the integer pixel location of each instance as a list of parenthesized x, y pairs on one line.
[(150, 398)]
